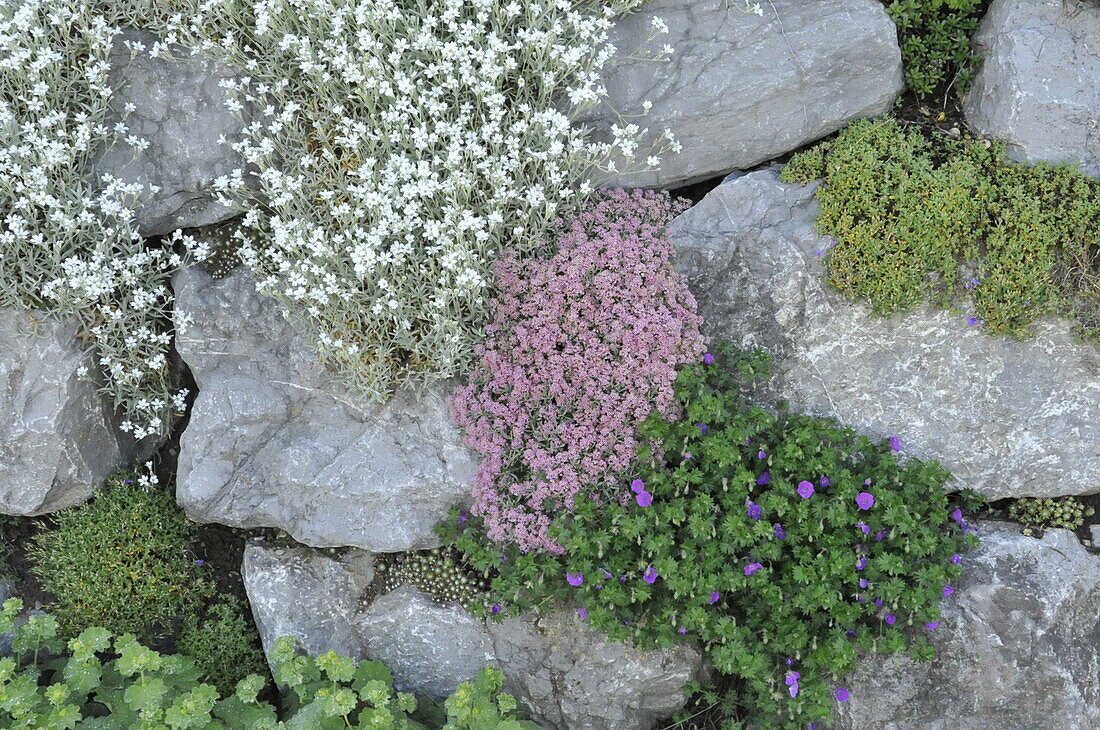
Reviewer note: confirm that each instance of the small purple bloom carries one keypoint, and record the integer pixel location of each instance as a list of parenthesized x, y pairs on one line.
[(462, 517), (754, 510), (708, 359), (861, 599), (582, 613), (574, 579), (637, 486), (687, 457), (851, 632), (881, 535), (865, 500), (956, 559), (763, 478), (890, 618), (495, 608), (864, 528), (622, 579), (752, 568), (650, 575), (599, 587), (644, 499), (780, 532), (790, 661), (683, 630), (200, 562), (878, 602), (825, 481), (957, 515), (895, 443), (973, 320), (127, 481), (972, 283), (818, 252), (805, 489), (762, 455), (861, 563), (714, 596), (703, 428), (792, 682), (863, 583), (932, 625), (866, 482), (841, 694), (606, 575), (947, 591)]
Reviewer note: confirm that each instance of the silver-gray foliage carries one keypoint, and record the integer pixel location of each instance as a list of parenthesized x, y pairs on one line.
[(1007, 418), (57, 436), (741, 88), (1018, 646), (1037, 86), (179, 110), (276, 440)]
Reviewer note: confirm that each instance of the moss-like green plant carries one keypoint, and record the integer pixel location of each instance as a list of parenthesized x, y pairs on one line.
[(919, 218), (784, 544), (224, 644), (121, 561), (1037, 514), (935, 42), (437, 572)]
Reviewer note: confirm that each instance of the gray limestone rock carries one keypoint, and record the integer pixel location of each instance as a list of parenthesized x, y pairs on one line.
[(431, 648), (1037, 85), (742, 89), (1018, 646), (1007, 418), (180, 112), (57, 437), (275, 440)]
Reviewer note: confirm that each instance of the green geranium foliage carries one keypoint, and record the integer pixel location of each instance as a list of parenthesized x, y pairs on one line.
[(935, 42), (931, 219), (770, 538), (108, 682)]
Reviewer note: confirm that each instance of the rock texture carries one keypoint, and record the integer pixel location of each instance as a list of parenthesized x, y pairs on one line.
[(179, 110), (57, 437), (1037, 86), (742, 89), (564, 674), (275, 440), (1007, 418), (569, 677), (430, 648), (1018, 646)]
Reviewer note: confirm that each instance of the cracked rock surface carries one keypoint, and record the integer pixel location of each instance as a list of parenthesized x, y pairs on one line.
[(1008, 418), (179, 110), (275, 440), (1017, 648), (564, 674), (741, 89), (57, 437), (1037, 86)]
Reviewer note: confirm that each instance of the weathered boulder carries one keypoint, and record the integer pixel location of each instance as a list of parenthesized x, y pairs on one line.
[(741, 88), (564, 674), (1007, 418), (568, 676), (431, 648), (1017, 648), (179, 110), (1037, 85), (57, 437), (276, 440), (307, 594)]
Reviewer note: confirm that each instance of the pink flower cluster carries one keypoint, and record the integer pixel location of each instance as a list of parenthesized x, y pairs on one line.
[(583, 346)]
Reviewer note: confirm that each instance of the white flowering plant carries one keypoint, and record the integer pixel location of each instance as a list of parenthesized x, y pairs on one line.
[(392, 150), (67, 241)]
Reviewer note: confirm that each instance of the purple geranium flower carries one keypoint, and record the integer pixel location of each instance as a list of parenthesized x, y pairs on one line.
[(574, 579), (708, 359), (825, 481), (863, 583), (644, 499), (582, 612), (495, 608), (956, 558), (841, 694), (714, 596), (881, 535), (861, 563), (895, 443), (805, 489), (607, 575), (865, 500), (637, 486), (754, 510), (973, 320), (947, 591), (932, 625), (703, 428), (762, 455), (650, 575), (752, 568), (200, 562), (789, 661), (792, 683), (763, 478), (878, 602), (890, 618), (957, 515), (462, 517), (780, 532), (864, 528), (683, 630)]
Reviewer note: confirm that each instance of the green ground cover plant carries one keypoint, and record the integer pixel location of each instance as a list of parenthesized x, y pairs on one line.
[(920, 218), (935, 42), (1037, 514), (101, 681), (784, 544)]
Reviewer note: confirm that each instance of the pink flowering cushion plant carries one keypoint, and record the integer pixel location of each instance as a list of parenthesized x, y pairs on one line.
[(583, 347), (794, 593)]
